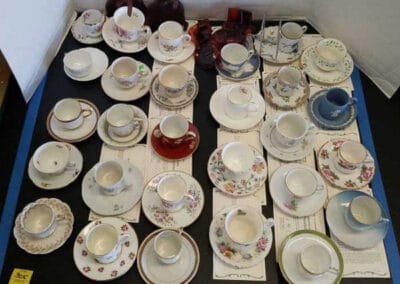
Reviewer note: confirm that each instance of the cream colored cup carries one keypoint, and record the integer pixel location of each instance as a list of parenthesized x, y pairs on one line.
[(78, 63), (238, 159), (69, 113), (130, 28), (239, 103), (173, 80), (171, 38), (173, 192), (126, 72), (330, 53), (301, 182), (168, 246), (350, 156), (52, 158), (121, 119), (111, 177)]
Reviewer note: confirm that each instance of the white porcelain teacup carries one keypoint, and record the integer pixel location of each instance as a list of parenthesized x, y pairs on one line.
[(173, 192), (69, 113), (350, 156), (126, 72), (238, 159), (174, 129), (121, 119), (239, 102), (171, 38), (330, 53), (78, 63), (289, 79), (111, 177), (234, 56), (291, 34), (130, 28), (301, 182), (315, 260), (52, 158), (168, 246), (104, 243), (173, 80), (93, 21)]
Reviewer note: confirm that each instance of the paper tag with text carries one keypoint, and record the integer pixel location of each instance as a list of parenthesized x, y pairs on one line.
[(20, 276)]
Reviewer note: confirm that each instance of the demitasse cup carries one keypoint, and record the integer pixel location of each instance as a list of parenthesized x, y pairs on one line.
[(291, 34), (239, 103), (315, 260), (173, 192), (350, 156), (104, 243), (39, 220), (78, 63), (130, 28), (111, 177), (334, 103), (289, 79), (174, 129), (52, 158), (69, 113), (330, 53), (171, 38), (121, 119), (234, 56), (173, 80), (93, 21), (125, 70), (238, 159), (168, 246), (301, 182)]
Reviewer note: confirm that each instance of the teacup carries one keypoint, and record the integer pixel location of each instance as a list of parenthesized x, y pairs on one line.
[(78, 63), (289, 79), (39, 220), (168, 246), (126, 72), (334, 103), (52, 158), (363, 213), (93, 21), (239, 103), (121, 119), (174, 129), (69, 113), (291, 34), (301, 182), (130, 28), (238, 159), (173, 80), (315, 260), (291, 128), (171, 38), (330, 53), (104, 243), (173, 192), (111, 177), (234, 56), (351, 155)]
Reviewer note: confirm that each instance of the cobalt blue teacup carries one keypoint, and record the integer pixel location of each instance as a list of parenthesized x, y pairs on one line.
[(335, 102)]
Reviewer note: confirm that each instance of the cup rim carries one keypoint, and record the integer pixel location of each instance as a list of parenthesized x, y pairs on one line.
[(292, 38), (87, 236), (100, 14), (291, 68), (76, 52), (297, 195), (169, 117), (29, 207), (130, 109), (341, 90), (307, 269), (248, 94), (170, 22), (170, 67), (57, 105), (342, 54), (100, 164), (285, 114), (350, 162), (119, 12), (371, 198), (234, 44), (159, 235), (167, 177), (51, 144), (224, 149), (121, 59)]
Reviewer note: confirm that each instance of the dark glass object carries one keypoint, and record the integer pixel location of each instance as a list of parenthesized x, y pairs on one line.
[(112, 5), (160, 11)]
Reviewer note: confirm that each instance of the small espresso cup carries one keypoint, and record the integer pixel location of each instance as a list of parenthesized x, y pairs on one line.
[(173, 80), (104, 243), (111, 177), (350, 156), (330, 53), (52, 158), (291, 34), (173, 192), (126, 72), (238, 159), (239, 103), (289, 79), (168, 246), (334, 103), (78, 63), (130, 28), (93, 21), (174, 129), (39, 220), (69, 113), (121, 119), (171, 38), (234, 56), (301, 182), (315, 260)]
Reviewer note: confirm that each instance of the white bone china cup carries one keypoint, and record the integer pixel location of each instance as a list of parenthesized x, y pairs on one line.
[(173, 80), (168, 246), (171, 38), (126, 72), (315, 260), (121, 119), (111, 177), (52, 158), (78, 63), (130, 28), (301, 182), (93, 21), (69, 113), (234, 56), (350, 156), (330, 53), (239, 103), (173, 192), (238, 158)]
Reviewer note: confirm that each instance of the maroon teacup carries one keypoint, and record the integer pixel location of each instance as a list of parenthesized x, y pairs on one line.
[(175, 130)]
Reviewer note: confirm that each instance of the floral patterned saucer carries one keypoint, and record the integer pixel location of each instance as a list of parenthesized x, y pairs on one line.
[(80, 35), (287, 202), (96, 271), (55, 240), (154, 211), (236, 187), (248, 69), (326, 165), (227, 251)]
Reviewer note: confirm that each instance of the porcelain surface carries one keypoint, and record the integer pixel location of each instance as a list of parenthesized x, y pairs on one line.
[(80, 34), (99, 65), (248, 69)]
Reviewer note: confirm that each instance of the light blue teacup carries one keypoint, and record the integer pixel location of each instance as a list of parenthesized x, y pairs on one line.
[(335, 102)]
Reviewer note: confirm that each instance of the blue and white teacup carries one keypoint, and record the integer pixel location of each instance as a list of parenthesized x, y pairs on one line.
[(289, 80), (291, 34), (335, 102), (234, 56)]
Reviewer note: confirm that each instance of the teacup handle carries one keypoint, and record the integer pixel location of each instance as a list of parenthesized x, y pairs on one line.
[(86, 112), (252, 107), (186, 39), (123, 238), (353, 101), (311, 127), (60, 217), (269, 223), (146, 30), (190, 136), (142, 71), (304, 28), (188, 198), (384, 220)]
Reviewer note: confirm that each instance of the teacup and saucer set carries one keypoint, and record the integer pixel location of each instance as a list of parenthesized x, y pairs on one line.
[(172, 199), (170, 44), (55, 165), (126, 34), (357, 219), (168, 256), (327, 62), (112, 187), (122, 126), (237, 63), (346, 164), (126, 80), (43, 226), (298, 190), (173, 87), (237, 107), (240, 236), (105, 249), (288, 136), (175, 138), (85, 64), (87, 28), (332, 109), (72, 120), (307, 256), (286, 89), (237, 169)]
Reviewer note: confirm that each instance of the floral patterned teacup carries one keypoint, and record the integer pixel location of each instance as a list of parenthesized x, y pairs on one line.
[(291, 34), (121, 120), (52, 158), (234, 56), (330, 53), (126, 72), (93, 21), (351, 155), (239, 103), (173, 80), (238, 158), (171, 38), (130, 28), (289, 79), (173, 192)]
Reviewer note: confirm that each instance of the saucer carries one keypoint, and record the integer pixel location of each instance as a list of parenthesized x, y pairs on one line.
[(335, 217), (178, 152), (280, 152), (218, 102), (326, 165), (248, 69), (50, 182), (299, 96), (297, 207), (237, 187), (155, 52), (325, 77), (81, 133), (108, 205), (289, 254), (113, 40), (341, 122), (114, 91), (80, 35), (192, 89), (94, 270), (154, 211), (102, 130), (55, 240), (238, 258), (99, 65), (153, 271)]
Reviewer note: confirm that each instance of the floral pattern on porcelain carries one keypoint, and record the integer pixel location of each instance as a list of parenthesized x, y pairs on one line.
[(292, 204)]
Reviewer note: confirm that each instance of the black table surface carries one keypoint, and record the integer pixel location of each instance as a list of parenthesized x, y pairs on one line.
[(58, 266)]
